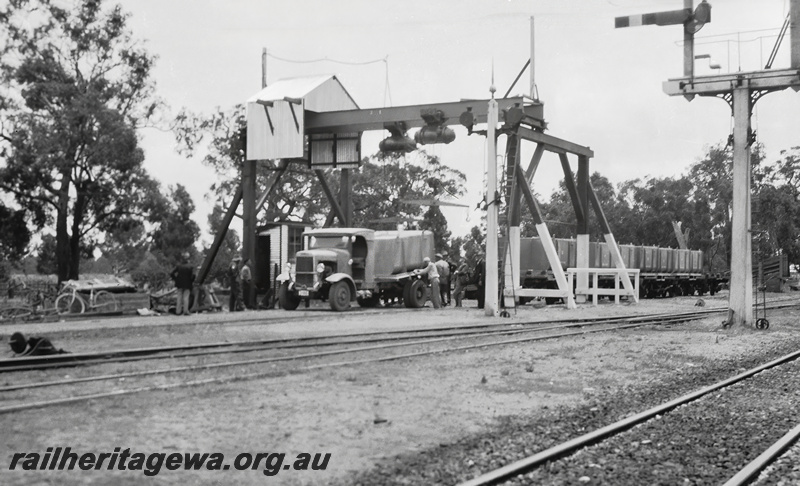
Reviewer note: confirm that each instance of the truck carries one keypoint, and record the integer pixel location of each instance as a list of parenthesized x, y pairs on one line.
[(343, 265)]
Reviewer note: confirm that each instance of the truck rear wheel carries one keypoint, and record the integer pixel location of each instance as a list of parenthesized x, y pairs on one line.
[(286, 297), (415, 295), (339, 296)]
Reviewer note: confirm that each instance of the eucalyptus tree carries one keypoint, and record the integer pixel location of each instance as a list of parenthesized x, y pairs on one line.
[(74, 87)]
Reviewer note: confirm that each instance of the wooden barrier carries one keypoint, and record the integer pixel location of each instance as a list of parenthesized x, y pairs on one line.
[(595, 290)]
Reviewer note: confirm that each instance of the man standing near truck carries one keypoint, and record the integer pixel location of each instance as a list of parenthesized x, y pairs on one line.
[(433, 278), (183, 275), (443, 268)]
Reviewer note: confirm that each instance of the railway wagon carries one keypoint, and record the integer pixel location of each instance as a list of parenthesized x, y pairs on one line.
[(664, 272)]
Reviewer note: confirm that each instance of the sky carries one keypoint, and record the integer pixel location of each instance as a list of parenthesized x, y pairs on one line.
[(601, 87)]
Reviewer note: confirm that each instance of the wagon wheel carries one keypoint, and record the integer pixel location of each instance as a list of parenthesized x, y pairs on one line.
[(70, 303), (105, 302), (11, 313), (762, 323)]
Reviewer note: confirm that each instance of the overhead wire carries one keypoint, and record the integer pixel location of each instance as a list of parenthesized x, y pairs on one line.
[(387, 93)]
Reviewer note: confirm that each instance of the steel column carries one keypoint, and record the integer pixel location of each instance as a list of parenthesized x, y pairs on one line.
[(794, 33), (688, 46)]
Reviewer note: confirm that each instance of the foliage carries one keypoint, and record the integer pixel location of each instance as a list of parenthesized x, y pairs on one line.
[(46, 263), (73, 87), (150, 273), (386, 184), (230, 247), (15, 236), (175, 232)]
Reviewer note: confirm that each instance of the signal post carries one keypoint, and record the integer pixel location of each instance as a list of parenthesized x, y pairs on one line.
[(740, 90)]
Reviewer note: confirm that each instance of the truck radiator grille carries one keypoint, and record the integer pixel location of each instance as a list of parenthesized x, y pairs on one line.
[(305, 264), (306, 279)]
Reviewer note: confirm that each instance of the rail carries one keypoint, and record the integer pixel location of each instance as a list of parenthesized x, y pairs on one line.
[(595, 290)]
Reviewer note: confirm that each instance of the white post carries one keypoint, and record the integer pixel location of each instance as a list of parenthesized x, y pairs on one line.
[(563, 283), (582, 263), (741, 293), (616, 257), (491, 302)]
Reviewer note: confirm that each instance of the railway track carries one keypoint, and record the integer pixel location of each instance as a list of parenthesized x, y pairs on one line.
[(529, 469), (556, 331), (31, 363)]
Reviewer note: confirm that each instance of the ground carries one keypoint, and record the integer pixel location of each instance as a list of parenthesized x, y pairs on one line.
[(363, 414)]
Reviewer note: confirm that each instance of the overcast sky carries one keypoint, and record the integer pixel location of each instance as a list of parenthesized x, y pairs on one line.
[(601, 87)]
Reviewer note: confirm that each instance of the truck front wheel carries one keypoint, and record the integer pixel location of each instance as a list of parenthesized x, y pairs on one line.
[(339, 296), (286, 297), (415, 294)]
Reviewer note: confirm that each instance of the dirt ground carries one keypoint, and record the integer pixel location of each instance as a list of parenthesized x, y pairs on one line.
[(362, 414)]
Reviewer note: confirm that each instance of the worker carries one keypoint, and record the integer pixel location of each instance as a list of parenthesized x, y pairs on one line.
[(246, 278), (433, 278), (443, 268), (461, 275), (479, 279), (183, 275), (234, 302)]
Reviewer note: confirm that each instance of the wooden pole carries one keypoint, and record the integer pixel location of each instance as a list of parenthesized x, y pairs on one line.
[(741, 293)]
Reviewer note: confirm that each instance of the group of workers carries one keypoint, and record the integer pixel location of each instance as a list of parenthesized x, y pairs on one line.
[(441, 273)]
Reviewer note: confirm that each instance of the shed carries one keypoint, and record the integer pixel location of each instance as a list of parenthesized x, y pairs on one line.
[(275, 115)]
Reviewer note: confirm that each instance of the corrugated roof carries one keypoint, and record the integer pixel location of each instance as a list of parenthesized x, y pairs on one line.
[(299, 87)]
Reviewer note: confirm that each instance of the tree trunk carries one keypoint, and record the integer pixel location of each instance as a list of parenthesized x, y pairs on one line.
[(75, 238), (63, 259)]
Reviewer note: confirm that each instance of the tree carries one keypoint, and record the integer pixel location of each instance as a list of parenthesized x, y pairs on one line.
[(387, 184), (46, 255), (73, 86), (231, 246), (712, 178), (175, 232)]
